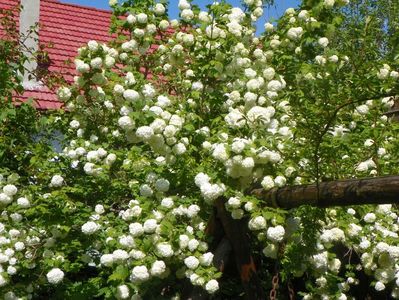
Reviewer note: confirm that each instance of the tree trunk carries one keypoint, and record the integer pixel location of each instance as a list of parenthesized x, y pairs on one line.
[(237, 234), (379, 190)]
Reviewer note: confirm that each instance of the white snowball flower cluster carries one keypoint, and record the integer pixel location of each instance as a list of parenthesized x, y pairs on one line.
[(90, 227), (64, 94), (276, 234), (139, 274), (7, 194), (55, 276), (209, 191), (57, 181)]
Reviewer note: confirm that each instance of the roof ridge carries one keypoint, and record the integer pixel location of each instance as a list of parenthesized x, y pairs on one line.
[(80, 6)]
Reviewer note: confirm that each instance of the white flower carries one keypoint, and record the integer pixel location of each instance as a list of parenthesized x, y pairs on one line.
[(362, 167), (381, 152), (142, 18), (120, 255), (131, 95), (333, 58), (126, 241), (4, 199), (122, 292), (212, 286), (257, 223), (303, 15), (193, 244), (144, 132), (212, 191), (10, 190), (165, 250), (269, 73), (379, 286), (354, 230), (64, 93), (191, 262), (320, 260), (92, 156), (234, 202), (159, 9), (148, 91), (206, 259), (368, 143), (276, 234), (167, 202), (93, 45), (268, 183), (269, 27), (126, 122), (74, 124), (164, 24), (107, 259), (90, 227), (235, 118), (274, 86), (295, 33), (187, 14), (23, 202), (369, 218), (183, 4), (158, 268), (3, 281), (321, 60), (19, 246), (150, 225), (131, 19), (162, 185), (179, 149), (146, 190), (56, 181), (192, 210), (12, 271), (139, 273), (280, 181), (136, 229), (96, 63), (260, 114), (394, 74), (362, 109), (234, 28), (197, 86), (323, 41), (329, 3), (55, 276)]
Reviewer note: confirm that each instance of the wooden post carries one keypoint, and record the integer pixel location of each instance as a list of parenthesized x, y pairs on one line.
[(237, 234), (379, 190)]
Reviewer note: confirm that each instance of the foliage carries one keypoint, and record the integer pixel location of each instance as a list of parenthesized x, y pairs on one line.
[(173, 115), (20, 124)]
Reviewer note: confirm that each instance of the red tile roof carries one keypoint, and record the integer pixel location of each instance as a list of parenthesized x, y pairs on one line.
[(67, 27)]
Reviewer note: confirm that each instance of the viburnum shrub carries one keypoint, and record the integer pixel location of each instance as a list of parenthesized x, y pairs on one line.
[(172, 116)]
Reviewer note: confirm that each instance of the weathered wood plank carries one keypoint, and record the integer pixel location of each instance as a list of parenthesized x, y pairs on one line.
[(378, 190)]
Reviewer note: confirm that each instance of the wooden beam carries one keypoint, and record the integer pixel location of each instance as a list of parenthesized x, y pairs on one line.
[(378, 190)]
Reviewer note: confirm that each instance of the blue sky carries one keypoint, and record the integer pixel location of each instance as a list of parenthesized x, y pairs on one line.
[(272, 12)]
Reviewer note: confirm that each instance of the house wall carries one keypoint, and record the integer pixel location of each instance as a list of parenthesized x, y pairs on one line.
[(28, 19)]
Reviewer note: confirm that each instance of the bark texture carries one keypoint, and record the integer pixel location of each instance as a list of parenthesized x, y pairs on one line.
[(378, 190), (237, 233)]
